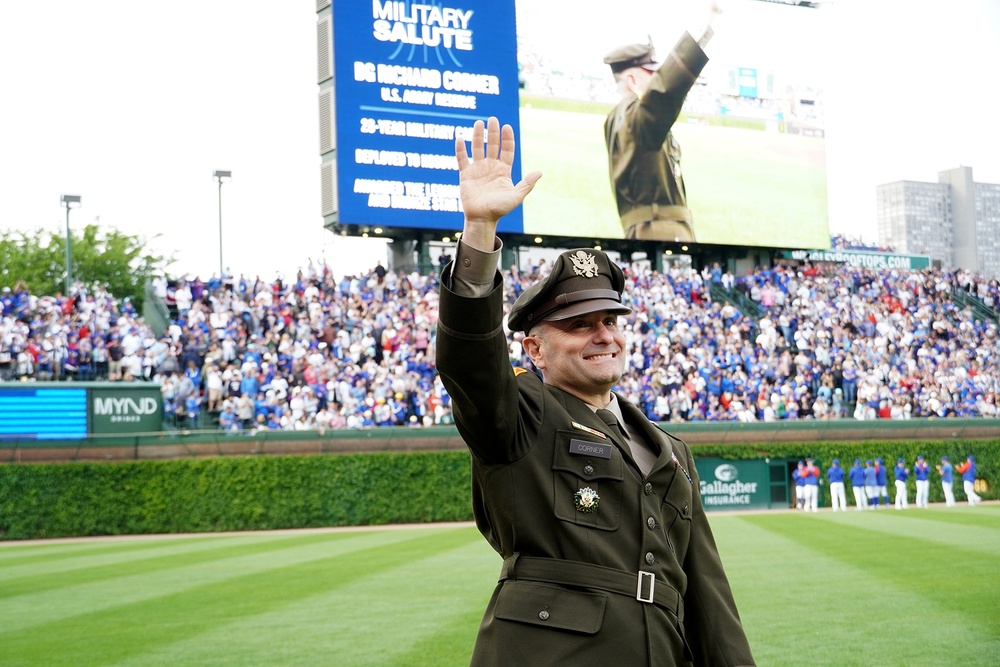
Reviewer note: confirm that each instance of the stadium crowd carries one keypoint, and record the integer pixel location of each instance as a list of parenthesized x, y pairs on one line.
[(318, 352), (844, 242)]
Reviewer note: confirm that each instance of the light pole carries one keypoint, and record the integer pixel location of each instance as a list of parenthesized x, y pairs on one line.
[(67, 202), (221, 177)]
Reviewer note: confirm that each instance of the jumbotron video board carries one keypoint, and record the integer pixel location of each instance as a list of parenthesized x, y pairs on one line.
[(410, 77)]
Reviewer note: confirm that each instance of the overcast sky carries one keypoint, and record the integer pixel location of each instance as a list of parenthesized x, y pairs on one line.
[(133, 105)]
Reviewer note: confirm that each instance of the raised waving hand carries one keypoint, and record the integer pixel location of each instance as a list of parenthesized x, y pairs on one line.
[(487, 191)]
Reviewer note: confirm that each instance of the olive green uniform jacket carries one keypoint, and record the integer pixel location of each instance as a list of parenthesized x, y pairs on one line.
[(533, 448), (644, 158)]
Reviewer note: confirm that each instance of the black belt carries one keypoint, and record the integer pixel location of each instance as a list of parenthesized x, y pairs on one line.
[(665, 212), (642, 586)]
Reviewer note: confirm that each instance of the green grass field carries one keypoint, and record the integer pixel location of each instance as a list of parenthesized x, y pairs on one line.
[(857, 588), (744, 186)]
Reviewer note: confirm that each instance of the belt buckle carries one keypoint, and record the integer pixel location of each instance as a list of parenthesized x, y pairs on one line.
[(638, 588)]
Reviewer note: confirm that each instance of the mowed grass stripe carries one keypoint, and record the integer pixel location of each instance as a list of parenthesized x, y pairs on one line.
[(935, 570), (941, 526), (413, 608), (453, 587), (902, 588), (452, 642), (163, 617), (982, 516), (803, 583), (13, 554), (85, 568), (794, 596), (187, 573)]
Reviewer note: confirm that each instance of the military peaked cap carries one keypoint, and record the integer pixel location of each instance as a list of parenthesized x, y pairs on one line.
[(582, 281), (632, 55)]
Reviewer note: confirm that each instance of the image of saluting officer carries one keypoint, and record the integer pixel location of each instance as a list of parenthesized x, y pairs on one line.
[(644, 157)]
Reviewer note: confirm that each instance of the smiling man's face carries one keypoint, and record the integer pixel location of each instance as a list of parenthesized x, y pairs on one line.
[(583, 355)]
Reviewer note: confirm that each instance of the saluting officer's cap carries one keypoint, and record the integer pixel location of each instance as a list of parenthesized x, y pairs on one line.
[(582, 281), (632, 55)]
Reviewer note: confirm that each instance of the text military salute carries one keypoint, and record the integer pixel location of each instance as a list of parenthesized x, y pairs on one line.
[(608, 557)]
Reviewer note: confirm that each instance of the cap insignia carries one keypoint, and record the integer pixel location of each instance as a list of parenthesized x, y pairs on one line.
[(584, 264)]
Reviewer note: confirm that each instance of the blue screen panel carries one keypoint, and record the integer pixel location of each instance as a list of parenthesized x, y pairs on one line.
[(409, 77), (43, 414)]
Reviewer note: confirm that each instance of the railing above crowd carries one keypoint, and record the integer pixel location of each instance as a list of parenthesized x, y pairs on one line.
[(780, 343)]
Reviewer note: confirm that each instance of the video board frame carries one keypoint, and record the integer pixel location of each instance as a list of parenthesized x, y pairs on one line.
[(410, 77)]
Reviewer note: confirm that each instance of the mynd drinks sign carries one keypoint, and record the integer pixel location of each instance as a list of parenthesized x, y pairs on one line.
[(127, 409)]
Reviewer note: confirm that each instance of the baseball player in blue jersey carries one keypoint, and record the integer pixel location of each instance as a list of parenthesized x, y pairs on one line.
[(812, 487), (881, 481), (902, 474), (857, 477), (968, 470), (871, 484), (921, 473), (799, 475), (835, 475), (947, 480)]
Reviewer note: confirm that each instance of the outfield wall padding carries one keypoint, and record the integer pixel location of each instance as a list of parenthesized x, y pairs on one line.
[(181, 444)]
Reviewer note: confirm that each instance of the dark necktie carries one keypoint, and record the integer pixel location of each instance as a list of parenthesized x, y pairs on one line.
[(638, 449), (609, 418)]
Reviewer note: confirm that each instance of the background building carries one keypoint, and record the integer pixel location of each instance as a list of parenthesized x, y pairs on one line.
[(955, 221)]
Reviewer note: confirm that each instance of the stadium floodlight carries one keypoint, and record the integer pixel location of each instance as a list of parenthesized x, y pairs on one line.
[(221, 177), (68, 202)]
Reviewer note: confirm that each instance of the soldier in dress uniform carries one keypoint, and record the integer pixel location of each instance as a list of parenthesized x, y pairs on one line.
[(644, 158), (608, 557)]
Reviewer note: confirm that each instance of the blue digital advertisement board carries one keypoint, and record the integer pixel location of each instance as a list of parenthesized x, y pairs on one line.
[(410, 77), (72, 410), (43, 414)]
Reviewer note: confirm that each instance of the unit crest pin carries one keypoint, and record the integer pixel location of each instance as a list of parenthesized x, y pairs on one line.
[(586, 500)]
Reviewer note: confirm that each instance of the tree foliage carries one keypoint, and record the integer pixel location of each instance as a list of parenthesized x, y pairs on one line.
[(120, 261)]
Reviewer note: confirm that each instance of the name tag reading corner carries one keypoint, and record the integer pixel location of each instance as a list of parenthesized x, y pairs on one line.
[(586, 448)]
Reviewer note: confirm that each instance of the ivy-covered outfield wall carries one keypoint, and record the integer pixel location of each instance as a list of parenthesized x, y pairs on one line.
[(268, 492), (231, 493)]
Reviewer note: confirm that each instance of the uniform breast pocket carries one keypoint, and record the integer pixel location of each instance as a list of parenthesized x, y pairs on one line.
[(587, 476), (677, 515)]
